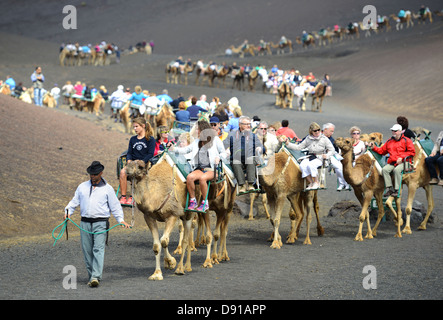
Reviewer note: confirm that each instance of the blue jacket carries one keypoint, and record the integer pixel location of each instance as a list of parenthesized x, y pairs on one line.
[(194, 110)]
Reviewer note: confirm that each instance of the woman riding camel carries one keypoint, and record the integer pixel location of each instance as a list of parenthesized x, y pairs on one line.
[(319, 148), (205, 153), (141, 147)]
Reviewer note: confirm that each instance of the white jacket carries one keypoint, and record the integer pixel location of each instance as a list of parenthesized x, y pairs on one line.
[(216, 150)]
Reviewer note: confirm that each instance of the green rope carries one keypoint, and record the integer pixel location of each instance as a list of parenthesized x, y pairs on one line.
[(64, 225)]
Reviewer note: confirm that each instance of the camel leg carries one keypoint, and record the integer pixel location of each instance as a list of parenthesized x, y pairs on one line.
[(364, 215), (152, 224), (264, 199), (206, 218), (251, 199), (296, 216), (381, 211), (187, 223), (412, 189), (179, 248), (308, 201), (320, 229), (216, 234), (278, 205), (429, 196), (169, 261)]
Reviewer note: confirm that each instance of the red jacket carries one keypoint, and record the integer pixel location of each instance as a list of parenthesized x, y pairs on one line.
[(396, 149)]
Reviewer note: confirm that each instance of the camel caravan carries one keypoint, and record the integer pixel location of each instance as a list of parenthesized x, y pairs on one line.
[(327, 36), (77, 55), (161, 187)]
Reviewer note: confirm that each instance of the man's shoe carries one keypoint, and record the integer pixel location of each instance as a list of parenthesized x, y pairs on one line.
[(388, 192), (394, 193), (251, 187), (314, 186), (433, 181), (93, 283), (242, 189), (440, 183), (341, 187)]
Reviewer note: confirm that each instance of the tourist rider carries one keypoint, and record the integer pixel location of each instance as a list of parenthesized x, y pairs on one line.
[(141, 147), (205, 153), (244, 147), (37, 79), (399, 147), (97, 200), (436, 157), (319, 148)]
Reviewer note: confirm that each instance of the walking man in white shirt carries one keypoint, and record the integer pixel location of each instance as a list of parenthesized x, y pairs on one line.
[(96, 199)]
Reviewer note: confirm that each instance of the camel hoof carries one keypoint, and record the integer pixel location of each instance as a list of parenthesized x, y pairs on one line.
[(275, 245), (188, 268), (407, 231), (157, 275), (180, 271), (422, 227), (308, 242), (178, 251), (358, 237), (290, 240), (170, 263), (207, 264), (398, 235), (251, 219), (369, 236), (320, 231)]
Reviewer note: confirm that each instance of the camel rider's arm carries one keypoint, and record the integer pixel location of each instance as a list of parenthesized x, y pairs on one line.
[(330, 150)]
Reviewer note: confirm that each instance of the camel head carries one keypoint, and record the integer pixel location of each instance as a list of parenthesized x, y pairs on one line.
[(137, 169), (421, 132), (345, 144), (376, 137)]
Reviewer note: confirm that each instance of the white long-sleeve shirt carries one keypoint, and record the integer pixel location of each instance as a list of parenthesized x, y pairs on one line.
[(96, 202)]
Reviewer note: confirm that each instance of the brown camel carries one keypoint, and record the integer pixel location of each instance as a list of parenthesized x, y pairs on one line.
[(383, 24), (366, 182), (309, 41), (241, 50), (264, 48), (284, 95), (419, 178), (318, 96), (407, 19), (281, 179), (188, 69), (422, 18), (4, 89), (126, 117), (160, 196), (252, 79), (165, 117), (239, 79), (206, 73), (281, 46), (172, 73), (49, 100), (324, 36), (354, 31), (97, 105)]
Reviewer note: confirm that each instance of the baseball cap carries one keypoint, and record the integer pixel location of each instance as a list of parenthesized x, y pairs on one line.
[(396, 127)]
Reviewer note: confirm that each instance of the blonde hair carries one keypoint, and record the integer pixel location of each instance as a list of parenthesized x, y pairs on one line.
[(314, 126), (138, 89), (354, 128)]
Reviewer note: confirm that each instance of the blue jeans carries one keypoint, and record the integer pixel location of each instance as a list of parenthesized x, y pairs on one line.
[(431, 162), (93, 246), (38, 97)]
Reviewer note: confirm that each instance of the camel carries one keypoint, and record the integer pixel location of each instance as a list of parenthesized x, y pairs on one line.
[(284, 95), (188, 69), (353, 31), (318, 96), (66, 54), (310, 40), (324, 36), (172, 73), (264, 48), (97, 105), (422, 18), (239, 79), (27, 96), (221, 72), (418, 179), (281, 179), (165, 117), (366, 182), (252, 79), (241, 50), (4, 89), (206, 73), (383, 23), (49, 100), (160, 197), (281, 46), (407, 19), (126, 117)]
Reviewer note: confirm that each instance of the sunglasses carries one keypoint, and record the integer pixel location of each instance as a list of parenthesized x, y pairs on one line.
[(356, 133), (263, 129), (316, 130), (164, 131), (214, 124)]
